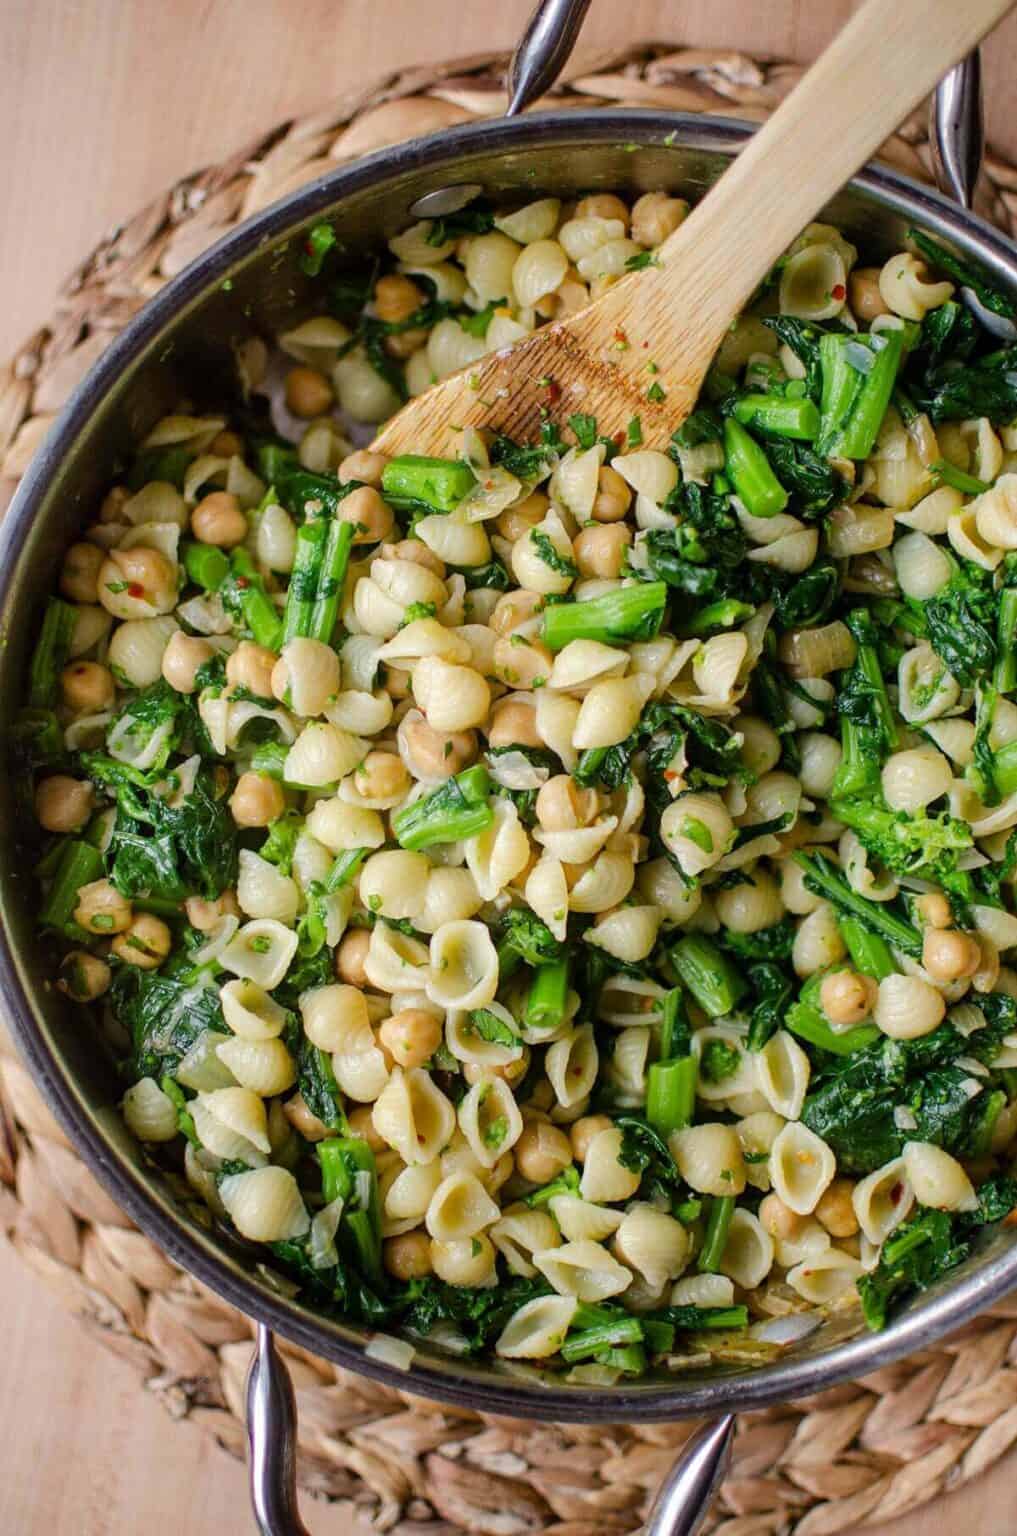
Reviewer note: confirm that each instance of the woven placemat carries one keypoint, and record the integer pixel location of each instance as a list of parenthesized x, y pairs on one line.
[(850, 1458)]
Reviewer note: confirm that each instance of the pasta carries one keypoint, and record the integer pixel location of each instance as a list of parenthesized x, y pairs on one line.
[(564, 865)]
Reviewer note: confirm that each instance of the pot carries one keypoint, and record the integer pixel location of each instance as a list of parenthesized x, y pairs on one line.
[(187, 341)]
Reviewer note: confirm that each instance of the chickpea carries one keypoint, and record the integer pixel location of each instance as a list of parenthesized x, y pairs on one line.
[(542, 1151), (864, 296), (181, 659), (408, 1256), (131, 576), (513, 610), (846, 997), (302, 1120), (87, 687), (250, 666), (102, 909), (84, 977), (226, 444), (217, 519), (602, 205), (204, 915), (513, 724), (411, 1037), (363, 465), (950, 955), (381, 776), (438, 754), (517, 520), (308, 393), (933, 909), (522, 662), (562, 805), (113, 503), (655, 215), (779, 1219), (583, 1131), (613, 496), (257, 800), (836, 1211), (79, 574), (350, 957), (366, 508), (63, 804), (396, 298), (362, 1124), (600, 550), (146, 943)]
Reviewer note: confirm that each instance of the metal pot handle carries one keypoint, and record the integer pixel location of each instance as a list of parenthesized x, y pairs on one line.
[(272, 1442), (956, 131)]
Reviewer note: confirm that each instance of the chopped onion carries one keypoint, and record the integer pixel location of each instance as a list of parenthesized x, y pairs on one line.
[(363, 1186), (396, 1352), (513, 770), (219, 935), (966, 1018), (973, 1065), (322, 1237), (971, 1087), (904, 1119), (785, 1330)]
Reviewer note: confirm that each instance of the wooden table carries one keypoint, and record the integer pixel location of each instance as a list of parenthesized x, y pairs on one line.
[(105, 102)]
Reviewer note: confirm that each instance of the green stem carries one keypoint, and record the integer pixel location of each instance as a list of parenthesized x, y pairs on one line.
[(854, 402), (774, 413), (342, 1158), (460, 808), (755, 483), (825, 881), (671, 1094), (870, 953), (723, 614), (718, 1222), (412, 479), (259, 612), (708, 973), (590, 1341), (674, 1025), (808, 1023), (628, 613), (548, 995), (50, 655), (303, 587), (1005, 678), (206, 565), (334, 564), (79, 865)]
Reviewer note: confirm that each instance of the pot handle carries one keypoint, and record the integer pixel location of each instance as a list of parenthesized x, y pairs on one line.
[(543, 50), (272, 1442), (956, 131), (687, 1492)]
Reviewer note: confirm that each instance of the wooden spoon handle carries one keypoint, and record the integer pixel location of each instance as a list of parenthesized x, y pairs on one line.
[(886, 58)]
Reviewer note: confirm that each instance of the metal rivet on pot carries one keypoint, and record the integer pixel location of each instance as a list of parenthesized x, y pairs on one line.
[(445, 200)]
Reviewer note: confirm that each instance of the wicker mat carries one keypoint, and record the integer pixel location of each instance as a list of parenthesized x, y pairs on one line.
[(850, 1458)]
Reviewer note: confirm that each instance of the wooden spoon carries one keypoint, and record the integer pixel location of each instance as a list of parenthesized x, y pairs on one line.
[(674, 315)]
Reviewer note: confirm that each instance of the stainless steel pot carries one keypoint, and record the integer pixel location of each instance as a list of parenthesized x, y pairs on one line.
[(186, 341)]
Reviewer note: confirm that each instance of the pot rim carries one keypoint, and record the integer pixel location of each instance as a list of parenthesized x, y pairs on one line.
[(154, 1213)]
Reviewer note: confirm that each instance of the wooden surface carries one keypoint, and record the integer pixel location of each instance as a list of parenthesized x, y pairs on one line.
[(105, 102)]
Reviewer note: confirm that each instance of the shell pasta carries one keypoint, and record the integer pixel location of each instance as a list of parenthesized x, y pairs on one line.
[(558, 897)]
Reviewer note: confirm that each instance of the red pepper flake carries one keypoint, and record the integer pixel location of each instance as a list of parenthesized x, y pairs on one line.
[(621, 336), (645, 343), (838, 291), (242, 581), (488, 485), (619, 439), (135, 590), (553, 391)]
